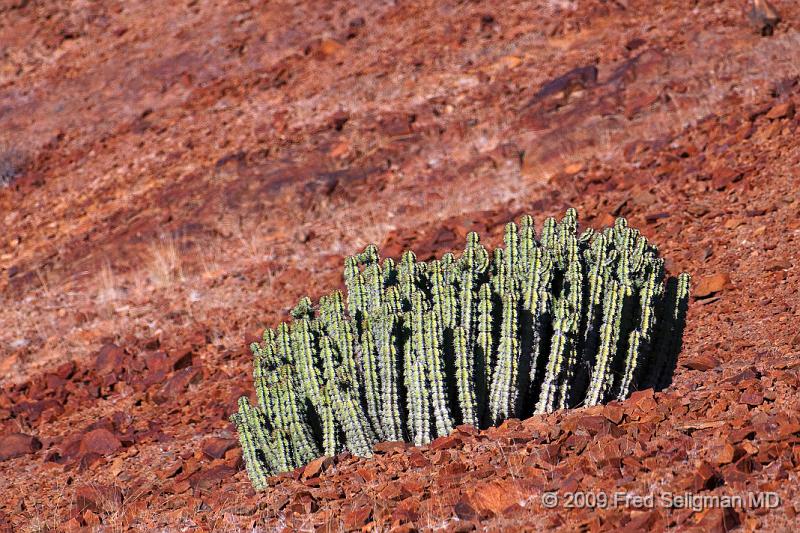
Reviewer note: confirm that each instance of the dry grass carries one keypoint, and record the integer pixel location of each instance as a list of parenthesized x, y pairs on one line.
[(107, 288), (165, 265)]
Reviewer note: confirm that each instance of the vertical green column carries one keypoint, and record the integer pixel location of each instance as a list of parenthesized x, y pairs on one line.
[(504, 391)]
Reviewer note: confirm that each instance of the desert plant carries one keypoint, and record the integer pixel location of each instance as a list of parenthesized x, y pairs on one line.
[(541, 324)]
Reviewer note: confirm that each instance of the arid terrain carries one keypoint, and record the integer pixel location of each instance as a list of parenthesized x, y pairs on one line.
[(174, 176)]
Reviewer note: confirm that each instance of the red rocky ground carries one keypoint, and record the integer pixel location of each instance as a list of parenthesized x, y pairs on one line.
[(181, 173)]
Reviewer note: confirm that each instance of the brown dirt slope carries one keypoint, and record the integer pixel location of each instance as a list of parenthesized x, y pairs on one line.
[(179, 174)]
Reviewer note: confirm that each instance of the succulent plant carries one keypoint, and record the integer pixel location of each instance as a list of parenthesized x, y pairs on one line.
[(418, 347)]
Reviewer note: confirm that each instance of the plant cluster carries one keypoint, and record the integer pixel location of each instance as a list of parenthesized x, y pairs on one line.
[(553, 322)]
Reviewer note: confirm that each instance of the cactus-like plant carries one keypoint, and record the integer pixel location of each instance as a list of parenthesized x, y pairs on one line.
[(537, 325)]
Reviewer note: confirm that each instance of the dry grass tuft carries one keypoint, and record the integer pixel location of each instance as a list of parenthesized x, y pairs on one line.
[(165, 266)]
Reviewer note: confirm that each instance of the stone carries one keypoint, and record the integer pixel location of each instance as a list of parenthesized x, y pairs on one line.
[(724, 454), (779, 264), (170, 470), (752, 398), (357, 518), (576, 79), (366, 474), (496, 496), (445, 442), (177, 384), (509, 62), (784, 110), (709, 285), (17, 445), (205, 480), (705, 477), (100, 441), (795, 342), (701, 362), (464, 510), (407, 510), (329, 47), (642, 399), (734, 222), (216, 447), (110, 359), (180, 359), (614, 412), (592, 424), (468, 429), (316, 467), (718, 520), (98, 498), (390, 446), (73, 524), (724, 176)]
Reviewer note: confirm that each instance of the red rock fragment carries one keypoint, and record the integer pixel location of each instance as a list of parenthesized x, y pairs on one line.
[(453, 469), (356, 518), (404, 528), (783, 110), (593, 424), (65, 370), (393, 491), (470, 430), (724, 176), (98, 498), (644, 521), (718, 520), (614, 412), (178, 487), (414, 486), (216, 447), (708, 285), (390, 446), (205, 480), (702, 362), (777, 265), (91, 519), (738, 435), (155, 361), (639, 102), (109, 360), (418, 460), (170, 471), (464, 510), (643, 400), (406, 511), (724, 454), (316, 467), (100, 441), (446, 442), (177, 384), (496, 496), (750, 397), (705, 477), (366, 474), (181, 359), (17, 445), (748, 373), (795, 343), (73, 524)]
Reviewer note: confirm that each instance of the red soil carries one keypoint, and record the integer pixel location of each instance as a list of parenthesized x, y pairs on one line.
[(185, 172)]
